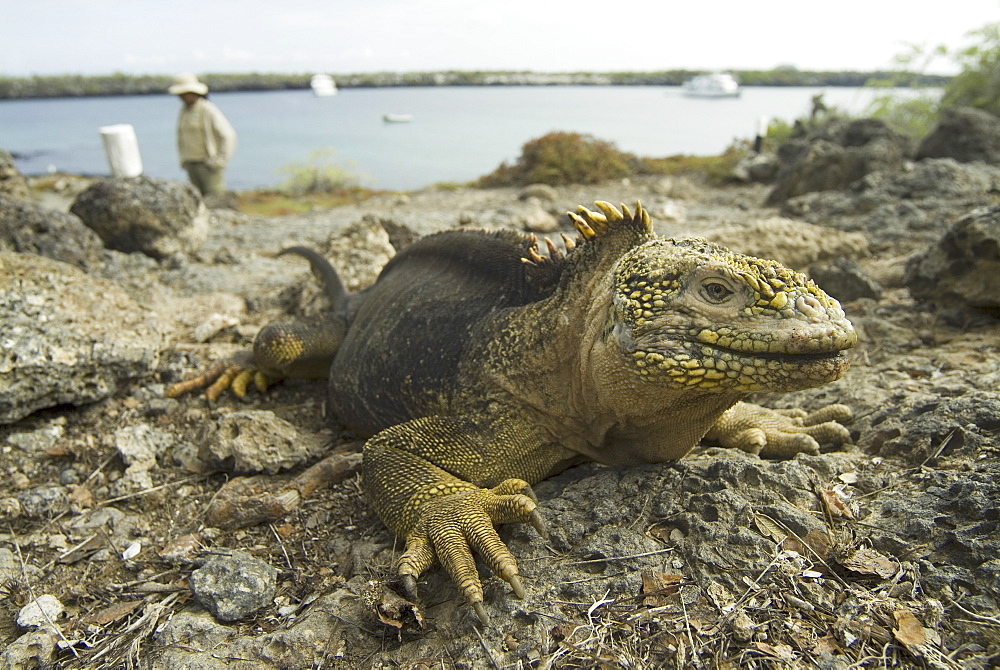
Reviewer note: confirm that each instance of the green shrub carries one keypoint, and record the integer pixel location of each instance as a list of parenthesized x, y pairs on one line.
[(564, 158), (978, 84), (778, 130), (319, 175), (912, 116), (715, 169)]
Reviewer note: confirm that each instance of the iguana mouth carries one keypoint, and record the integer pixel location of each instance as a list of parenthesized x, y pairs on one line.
[(790, 355)]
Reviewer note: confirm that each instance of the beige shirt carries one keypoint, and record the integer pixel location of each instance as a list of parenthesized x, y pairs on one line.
[(204, 135)]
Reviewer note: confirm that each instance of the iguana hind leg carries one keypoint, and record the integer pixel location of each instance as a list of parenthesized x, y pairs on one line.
[(296, 350)]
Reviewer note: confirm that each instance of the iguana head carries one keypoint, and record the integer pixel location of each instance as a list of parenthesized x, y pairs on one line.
[(690, 313)]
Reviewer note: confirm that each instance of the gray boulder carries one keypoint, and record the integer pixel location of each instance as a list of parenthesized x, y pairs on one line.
[(963, 268), (797, 244), (844, 279), (906, 209), (759, 168), (836, 155), (157, 217), (965, 134), (67, 338), (29, 228), (12, 182), (941, 178)]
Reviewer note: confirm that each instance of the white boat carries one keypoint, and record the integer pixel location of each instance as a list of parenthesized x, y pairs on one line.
[(323, 85), (397, 118), (713, 85)]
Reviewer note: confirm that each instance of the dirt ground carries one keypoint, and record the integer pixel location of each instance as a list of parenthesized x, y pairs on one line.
[(882, 554)]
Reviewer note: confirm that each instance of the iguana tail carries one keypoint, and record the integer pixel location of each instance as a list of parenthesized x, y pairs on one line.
[(328, 276)]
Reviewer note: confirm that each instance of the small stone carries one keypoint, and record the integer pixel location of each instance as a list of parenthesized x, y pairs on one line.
[(161, 406), (10, 567), (43, 501), (213, 325), (542, 192), (40, 613), (38, 440), (235, 586), (260, 441), (138, 446), (537, 220), (32, 650)]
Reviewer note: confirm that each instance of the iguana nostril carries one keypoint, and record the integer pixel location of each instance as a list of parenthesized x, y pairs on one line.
[(809, 306)]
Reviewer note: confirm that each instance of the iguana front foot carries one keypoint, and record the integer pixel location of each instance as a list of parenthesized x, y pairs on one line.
[(780, 433), (236, 372), (451, 527)]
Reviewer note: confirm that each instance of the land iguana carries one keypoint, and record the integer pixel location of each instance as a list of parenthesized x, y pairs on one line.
[(476, 366)]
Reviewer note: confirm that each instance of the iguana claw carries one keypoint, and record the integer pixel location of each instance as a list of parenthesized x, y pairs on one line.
[(484, 618)]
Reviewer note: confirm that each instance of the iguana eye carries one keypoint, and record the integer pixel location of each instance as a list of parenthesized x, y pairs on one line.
[(715, 292)]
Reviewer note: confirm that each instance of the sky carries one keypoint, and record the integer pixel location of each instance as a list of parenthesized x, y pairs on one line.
[(349, 36)]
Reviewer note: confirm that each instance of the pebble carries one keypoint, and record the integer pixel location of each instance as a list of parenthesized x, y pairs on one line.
[(43, 501), (39, 440), (40, 613), (32, 650), (235, 586)]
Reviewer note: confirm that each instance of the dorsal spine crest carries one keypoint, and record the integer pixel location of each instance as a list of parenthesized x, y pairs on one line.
[(592, 225)]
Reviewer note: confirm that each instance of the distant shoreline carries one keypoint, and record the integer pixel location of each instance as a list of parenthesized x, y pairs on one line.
[(71, 86)]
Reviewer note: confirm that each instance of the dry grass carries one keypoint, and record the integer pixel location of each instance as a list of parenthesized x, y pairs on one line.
[(278, 203)]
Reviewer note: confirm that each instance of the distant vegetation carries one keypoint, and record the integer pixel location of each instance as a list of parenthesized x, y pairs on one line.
[(321, 174), (976, 85), (320, 183), (564, 158), (560, 158), (123, 84)]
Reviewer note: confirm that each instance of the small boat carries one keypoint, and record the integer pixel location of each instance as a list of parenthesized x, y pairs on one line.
[(713, 85), (323, 85), (397, 118)]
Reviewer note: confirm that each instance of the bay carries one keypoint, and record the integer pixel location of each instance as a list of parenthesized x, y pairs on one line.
[(456, 133)]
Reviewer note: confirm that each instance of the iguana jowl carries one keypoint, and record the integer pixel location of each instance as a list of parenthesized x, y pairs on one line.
[(477, 367)]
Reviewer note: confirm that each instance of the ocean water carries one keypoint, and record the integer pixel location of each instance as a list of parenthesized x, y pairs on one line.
[(456, 135)]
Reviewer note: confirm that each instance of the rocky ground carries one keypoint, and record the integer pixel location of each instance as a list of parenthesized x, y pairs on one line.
[(884, 553)]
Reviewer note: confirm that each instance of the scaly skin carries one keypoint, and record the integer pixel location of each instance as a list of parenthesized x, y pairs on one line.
[(479, 367)]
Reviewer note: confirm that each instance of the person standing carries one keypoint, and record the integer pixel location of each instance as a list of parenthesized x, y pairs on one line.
[(205, 139)]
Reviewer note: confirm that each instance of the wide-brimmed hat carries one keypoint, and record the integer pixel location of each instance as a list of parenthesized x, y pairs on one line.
[(187, 83)]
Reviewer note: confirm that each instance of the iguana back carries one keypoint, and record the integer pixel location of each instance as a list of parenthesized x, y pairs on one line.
[(413, 327)]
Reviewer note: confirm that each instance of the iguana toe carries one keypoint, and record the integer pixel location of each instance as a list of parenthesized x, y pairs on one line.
[(519, 486), (242, 380), (830, 413), (235, 373)]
